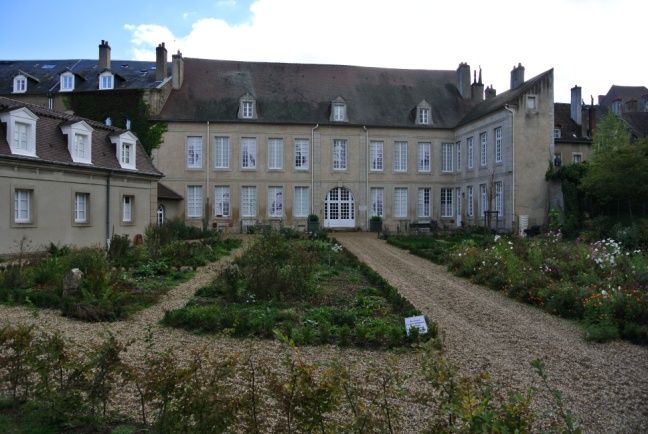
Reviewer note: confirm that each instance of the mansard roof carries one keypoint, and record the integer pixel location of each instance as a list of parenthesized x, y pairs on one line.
[(302, 93), (52, 145), (570, 131), (624, 93), (46, 74)]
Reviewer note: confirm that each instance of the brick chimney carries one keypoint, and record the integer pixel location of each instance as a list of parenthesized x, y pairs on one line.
[(477, 88), (517, 76), (463, 80), (160, 62), (177, 70), (490, 92), (576, 112), (104, 55)]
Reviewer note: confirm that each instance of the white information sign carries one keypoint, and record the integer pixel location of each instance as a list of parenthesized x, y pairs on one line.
[(417, 322)]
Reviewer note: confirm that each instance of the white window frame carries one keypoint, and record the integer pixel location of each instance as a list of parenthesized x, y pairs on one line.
[(125, 147), (301, 202), (458, 147), (23, 199), (247, 107), (67, 82), (194, 201), (302, 151), (470, 201), (498, 144), (377, 155), (81, 208), (340, 154), (425, 157), (483, 149), (221, 152), (577, 156), (377, 202), (447, 151), (21, 131), (447, 209), (400, 202), (20, 84), (248, 153), (194, 154), (248, 201), (400, 156), (470, 150), (222, 201), (275, 202), (483, 200), (106, 81), (424, 202), (499, 198), (79, 131), (424, 116), (275, 154), (127, 208), (339, 112)]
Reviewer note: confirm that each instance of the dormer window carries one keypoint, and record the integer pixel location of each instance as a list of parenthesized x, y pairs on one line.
[(339, 110), (106, 80), (423, 113), (21, 131), (79, 141), (557, 132), (247, 107), (20, 84), (616, 107), (67, 82), (125, 149)]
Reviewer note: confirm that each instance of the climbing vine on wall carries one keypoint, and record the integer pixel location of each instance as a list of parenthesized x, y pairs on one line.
[(120, 105), (574, 199)]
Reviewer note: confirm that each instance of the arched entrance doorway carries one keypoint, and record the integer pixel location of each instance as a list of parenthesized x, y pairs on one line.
[(339, 209)]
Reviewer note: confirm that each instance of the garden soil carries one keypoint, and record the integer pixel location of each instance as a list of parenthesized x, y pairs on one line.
[(606, 385)]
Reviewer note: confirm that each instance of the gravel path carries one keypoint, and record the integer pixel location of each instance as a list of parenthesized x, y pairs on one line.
[(605, 385)]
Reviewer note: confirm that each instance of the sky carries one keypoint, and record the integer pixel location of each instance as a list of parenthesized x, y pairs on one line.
[(590, 43)]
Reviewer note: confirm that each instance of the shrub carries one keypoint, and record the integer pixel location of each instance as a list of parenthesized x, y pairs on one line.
[(119, 251)]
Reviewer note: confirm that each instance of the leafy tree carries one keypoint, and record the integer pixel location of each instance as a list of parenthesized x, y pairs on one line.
[(618, 172)]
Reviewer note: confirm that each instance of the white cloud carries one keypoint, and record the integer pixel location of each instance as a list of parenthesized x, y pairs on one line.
[(584, 40)]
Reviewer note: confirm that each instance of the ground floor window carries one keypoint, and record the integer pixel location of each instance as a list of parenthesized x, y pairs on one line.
[(301, 202), (127, 209), (446, 202), (275, 202), (423, 203), (483, 200), (81, 202), (194, 201), (248, 201), (222, 201), (377, 202), (400, 202), (161, 215), (22, 206), (499, 198), (469, 201)]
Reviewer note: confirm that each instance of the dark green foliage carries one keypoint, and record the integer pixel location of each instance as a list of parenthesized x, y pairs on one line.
[(120, 106)]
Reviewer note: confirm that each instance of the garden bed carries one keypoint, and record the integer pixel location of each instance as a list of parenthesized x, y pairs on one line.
[(310, 290), (114, 283), (600, 284)]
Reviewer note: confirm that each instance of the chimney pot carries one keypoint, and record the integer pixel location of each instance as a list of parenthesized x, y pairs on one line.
[(160, 62), (463, 80), (576, 112), (177, 68), (517, 76)]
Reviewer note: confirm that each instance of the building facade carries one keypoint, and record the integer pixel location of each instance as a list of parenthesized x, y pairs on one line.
[(251, 142), (69, 180)]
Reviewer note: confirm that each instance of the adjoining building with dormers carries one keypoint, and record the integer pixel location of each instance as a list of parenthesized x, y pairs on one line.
[(52, 83), (69, 180), (252, 142)]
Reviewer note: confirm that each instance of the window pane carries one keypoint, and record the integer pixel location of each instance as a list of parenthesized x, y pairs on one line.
[(498, 145), (423, 202), (194, 201), (301, 153), (446, 202), (194, 152), (275, 154), (339, 154), (424, 157), (301, 202), (22, 204), (400, 156), (221, 152), (376, 150), (446, 157), (248, 153), (400, 202), (248, 201), (222, 201), (378, 202), (275, 201)]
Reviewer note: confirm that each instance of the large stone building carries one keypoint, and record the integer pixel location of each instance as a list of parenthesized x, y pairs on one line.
[(69, 180), (251, 142)]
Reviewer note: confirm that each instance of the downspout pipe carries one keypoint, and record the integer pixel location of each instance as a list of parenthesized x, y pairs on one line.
[(312, 169), (108, 178), (366, 131), (512, 111), (207, 170)]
